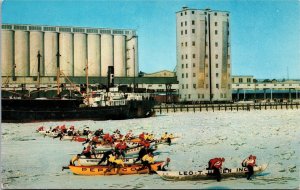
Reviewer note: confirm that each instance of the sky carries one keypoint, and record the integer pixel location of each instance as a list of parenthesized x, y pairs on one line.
[(265, 34)]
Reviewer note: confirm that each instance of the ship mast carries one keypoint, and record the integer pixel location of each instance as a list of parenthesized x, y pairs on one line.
[(58, 66), (87, 82), (39, 72)]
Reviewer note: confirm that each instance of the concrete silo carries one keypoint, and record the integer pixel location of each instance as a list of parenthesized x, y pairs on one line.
[(94, 54), (119, 55), (66, 52), (80, 54), (106, 53), (132, 59), (7, 55), (36, 44), (50, 59), (21, 53)]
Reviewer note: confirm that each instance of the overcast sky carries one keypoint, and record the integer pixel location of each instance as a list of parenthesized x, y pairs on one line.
[(265, 38)]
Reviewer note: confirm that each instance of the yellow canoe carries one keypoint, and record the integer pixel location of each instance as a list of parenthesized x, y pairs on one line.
[(102, 170)]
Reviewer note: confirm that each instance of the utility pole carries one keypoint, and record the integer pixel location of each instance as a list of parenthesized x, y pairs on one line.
[(39, 68)]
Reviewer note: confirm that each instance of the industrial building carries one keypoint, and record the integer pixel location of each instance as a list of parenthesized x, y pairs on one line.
[(203, 55), (77, 47)]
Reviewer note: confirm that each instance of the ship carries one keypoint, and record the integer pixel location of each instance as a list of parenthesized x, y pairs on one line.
[(106, 104)]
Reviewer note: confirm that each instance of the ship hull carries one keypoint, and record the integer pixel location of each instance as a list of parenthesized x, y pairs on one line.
[(21, 111)]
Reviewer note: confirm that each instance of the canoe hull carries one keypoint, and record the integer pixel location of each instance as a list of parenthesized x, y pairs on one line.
[(207, 174), (102, 170)]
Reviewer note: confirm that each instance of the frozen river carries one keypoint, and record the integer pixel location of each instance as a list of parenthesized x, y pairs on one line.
[(28, 160)]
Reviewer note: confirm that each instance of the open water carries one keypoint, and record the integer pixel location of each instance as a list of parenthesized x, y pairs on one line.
[(29, 160)]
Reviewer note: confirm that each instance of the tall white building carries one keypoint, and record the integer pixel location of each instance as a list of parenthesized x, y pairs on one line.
[(203, 55)]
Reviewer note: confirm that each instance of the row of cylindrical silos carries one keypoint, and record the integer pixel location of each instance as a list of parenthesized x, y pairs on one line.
[(20, 49)]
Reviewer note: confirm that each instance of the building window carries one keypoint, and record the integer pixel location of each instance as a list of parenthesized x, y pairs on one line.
[(181, 44), (182, 56), (216, 14), (186, 75), (216, 44), (205, 31), (194, 74), (217, 56), (248, 79), (194, 55), (194, 64), (216, 32), (206, 75), (185, 31), (205, 13), (194, 85), (182, 75), (240, 80), (216, 24), (180, 14), (186, 56), (217, 74), (193, 43), (193, 22), (198, 95), (186, 44), (182, 66), (206, 65), (189, 96), (221, 95), (228, 32), (185, 23), (206, 56), (182, 86), (193, 31), (181, 23), (206, 85), (186, 86), (181, 32), (185, 13), (217, 85), (217, 66), (193, 12), (186, 65), (150, 85)]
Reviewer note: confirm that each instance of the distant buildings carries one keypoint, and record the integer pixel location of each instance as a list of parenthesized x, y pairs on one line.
[(203, 55)]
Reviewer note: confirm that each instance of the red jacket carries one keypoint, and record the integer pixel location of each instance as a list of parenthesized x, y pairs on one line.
[(121, 146), (145, 143), (215, 162), (88, 149), (142, 136)]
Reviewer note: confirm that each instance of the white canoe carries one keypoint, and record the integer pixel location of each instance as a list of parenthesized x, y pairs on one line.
[(208, 174)]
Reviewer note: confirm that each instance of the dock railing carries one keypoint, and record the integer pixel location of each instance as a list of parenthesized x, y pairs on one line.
[(159, 109)]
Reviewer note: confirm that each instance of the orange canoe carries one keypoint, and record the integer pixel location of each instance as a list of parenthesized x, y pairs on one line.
[(102, 170)]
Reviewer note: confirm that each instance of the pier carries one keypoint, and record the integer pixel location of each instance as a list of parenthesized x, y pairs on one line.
[(159, 109)]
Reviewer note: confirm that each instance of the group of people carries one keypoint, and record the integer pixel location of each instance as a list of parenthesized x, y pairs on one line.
[(215, 164)]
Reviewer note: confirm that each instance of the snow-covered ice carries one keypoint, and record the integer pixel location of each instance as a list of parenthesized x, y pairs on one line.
[(29, 160)]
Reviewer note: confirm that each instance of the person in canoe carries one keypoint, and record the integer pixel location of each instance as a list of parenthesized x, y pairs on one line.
[(147, 160), (89, 151), (86, 131), (129, 135), (99, 132), (249, 162), (165, 164), (74, 159), (106, 156), (121, 147), (216, 164), (114, 162)]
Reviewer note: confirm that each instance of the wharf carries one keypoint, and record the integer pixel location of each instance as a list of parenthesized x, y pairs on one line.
[(159, 109)]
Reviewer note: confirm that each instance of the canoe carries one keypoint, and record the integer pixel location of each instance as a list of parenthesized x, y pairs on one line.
[(95, 161), (130, 151), (102, 170), (208, 174)]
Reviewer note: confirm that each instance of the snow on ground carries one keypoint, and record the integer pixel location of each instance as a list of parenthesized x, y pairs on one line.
[(29, 160)]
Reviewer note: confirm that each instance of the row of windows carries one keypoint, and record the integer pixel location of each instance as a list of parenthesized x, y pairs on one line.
[(194, 56), (186, 86), (194, 75), (193, 32), (202, 96), (194, 43), (194, 65), (193, 23), (193, 12)]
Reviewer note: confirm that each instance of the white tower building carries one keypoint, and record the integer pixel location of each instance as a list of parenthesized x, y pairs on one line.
[(203, 55)]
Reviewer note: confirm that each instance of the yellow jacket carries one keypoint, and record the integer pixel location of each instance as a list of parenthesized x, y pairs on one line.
[(171, 136), (164, 136), (113, 159), (148, 158)]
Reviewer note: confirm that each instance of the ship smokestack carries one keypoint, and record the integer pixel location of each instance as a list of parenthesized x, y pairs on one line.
[(110, 77)]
